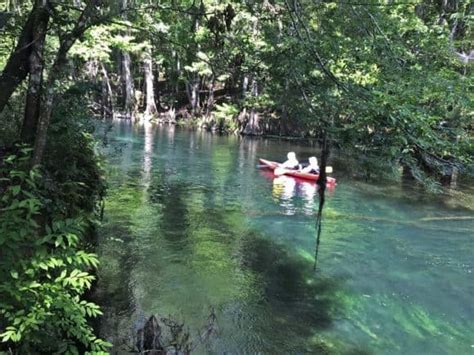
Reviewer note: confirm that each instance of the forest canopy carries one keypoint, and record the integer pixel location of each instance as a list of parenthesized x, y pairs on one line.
[(390, 80)]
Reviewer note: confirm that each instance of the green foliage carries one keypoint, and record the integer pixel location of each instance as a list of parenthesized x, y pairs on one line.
[(48, 215), (225, 117), (43, 271), (71, 144), (384, 80)]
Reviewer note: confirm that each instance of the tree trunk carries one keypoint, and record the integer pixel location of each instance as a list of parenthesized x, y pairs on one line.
[(127, 80), (194, 95), (127, 86), (210, 97), (192, 91), (253, 125), (150, 104), (407, 174), (17, 66), (285, 115), (178, 73), (33, 98), (245, 85), (55, 73), (156, 78), (107, 95), (252, 128)]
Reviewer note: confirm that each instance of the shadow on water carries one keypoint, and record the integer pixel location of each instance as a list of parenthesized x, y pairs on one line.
[(286, 304), (302, 304), (113, 293), (169, 200), (290, 287)]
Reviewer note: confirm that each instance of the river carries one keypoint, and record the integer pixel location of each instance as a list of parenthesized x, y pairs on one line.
[(192, 224)]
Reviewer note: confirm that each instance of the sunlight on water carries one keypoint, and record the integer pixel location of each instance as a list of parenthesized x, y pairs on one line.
[(191, 223)]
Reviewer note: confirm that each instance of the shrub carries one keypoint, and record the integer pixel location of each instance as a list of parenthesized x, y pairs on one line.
[(43, 271), (225, 115)]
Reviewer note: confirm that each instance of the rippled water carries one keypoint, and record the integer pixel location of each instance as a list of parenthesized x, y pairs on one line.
[(191, 224)]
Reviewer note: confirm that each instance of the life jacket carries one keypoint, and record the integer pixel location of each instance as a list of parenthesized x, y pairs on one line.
[(314, 171)]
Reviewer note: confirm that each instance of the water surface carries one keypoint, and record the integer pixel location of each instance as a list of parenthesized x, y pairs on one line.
[(191, 224)]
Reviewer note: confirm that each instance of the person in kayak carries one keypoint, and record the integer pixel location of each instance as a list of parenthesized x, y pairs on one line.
[(291, 163), (312, 168)]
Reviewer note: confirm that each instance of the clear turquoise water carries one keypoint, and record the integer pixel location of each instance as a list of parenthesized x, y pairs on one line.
[(191, 223)]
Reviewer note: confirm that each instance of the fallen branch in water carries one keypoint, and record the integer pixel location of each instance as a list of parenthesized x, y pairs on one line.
[(448, 218)]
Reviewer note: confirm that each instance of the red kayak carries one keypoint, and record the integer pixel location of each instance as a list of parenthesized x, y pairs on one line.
[(295, 173)]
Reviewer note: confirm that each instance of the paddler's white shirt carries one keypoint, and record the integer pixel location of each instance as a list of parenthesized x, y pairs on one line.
[(290, 164)]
